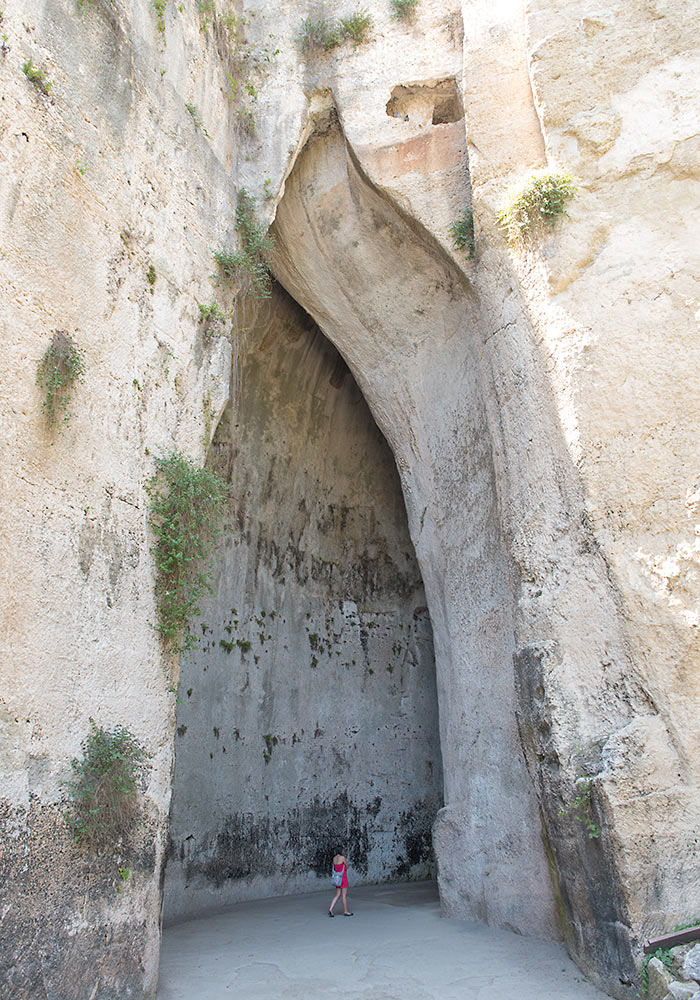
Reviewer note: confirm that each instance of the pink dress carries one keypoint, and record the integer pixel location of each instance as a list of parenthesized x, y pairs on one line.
[(344, 869)]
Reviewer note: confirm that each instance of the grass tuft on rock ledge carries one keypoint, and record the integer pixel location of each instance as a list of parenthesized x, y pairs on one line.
[(321, 34), (357, 28), (536, 206)]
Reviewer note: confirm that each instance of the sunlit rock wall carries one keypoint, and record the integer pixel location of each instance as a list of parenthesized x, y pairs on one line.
[(100, 180)]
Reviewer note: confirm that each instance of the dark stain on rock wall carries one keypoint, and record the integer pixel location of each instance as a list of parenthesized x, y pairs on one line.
[(307, 838), (67, 931), (414, 836), (589, 900)]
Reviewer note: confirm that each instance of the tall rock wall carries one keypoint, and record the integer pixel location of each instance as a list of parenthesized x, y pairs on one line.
[(100, 180), (541, 403)]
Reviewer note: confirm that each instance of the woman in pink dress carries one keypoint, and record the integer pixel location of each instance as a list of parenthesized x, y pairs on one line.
[(340, 865)]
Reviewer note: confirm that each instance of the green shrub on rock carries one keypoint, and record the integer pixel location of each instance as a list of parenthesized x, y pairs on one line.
[(537, 205), (105, 784), (403, 10), (187, 505), (250, 264), (62, 365), (37, 77), (462, 232)]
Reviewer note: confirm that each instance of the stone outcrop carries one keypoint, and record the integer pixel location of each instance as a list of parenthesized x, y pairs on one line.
[(541, 404)]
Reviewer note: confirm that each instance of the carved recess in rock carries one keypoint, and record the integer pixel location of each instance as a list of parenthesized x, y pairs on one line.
[(431, 103), (309, 713), (497, 518)]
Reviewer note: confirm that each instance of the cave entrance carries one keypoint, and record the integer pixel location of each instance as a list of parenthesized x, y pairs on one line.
[(413, 330), (352, 685), (308, 713)]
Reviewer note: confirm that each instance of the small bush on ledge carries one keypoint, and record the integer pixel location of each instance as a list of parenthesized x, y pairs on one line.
[(187, 505), (538, 204), (251, 263), (462, 232), (60, 368), (105, 784)]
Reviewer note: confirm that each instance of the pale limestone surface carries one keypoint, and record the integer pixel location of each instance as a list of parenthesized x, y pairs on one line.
[(544, 417)]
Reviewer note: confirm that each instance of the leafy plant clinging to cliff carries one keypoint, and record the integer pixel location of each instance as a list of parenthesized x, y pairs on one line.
[(581, 808), (187, 505), (159, 7), (196, 116), (212, 320), (462, 232), (538, 203), (37, 76), (252, 261), (104, 785), (61, 366)]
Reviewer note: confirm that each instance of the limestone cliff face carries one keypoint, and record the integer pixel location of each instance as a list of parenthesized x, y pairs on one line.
[(541, 405)]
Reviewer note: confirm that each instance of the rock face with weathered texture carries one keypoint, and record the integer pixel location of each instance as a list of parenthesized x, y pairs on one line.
[(542, 406)]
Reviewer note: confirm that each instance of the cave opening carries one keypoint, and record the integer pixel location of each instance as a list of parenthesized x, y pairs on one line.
[(366, 292), (307, 717)]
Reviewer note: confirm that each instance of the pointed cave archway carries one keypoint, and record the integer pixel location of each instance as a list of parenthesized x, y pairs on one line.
[(407, 322), (308, 715)]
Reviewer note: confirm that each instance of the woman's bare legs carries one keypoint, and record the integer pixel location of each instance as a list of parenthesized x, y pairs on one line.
[(335, 900), (345, 900)]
